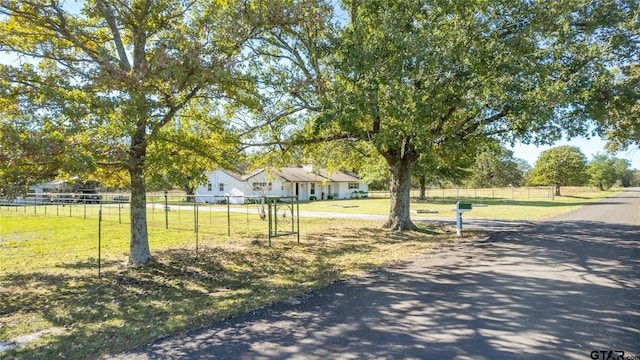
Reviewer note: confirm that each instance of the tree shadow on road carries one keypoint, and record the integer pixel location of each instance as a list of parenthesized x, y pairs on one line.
[(555, 290)]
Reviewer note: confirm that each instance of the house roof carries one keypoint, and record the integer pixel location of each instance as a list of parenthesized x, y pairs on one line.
[(233, 174), (253, 173), (298, 174), (339, 176)]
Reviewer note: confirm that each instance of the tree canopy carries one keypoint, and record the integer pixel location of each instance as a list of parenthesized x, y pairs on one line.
[(110, 77), (141, 86), (439, 79)]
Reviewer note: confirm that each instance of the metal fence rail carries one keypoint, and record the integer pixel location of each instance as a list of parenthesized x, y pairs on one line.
[(541, 193), (95, 234)]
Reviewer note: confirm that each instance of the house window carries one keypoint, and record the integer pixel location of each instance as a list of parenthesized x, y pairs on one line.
[(221, 187), (261, 186), (354, 186), (313, 188), (209, 186)]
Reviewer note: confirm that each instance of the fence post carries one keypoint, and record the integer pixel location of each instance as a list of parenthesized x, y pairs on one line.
[(269, 218), (166, 211), (195, 220), (99, 239), (228, 217)]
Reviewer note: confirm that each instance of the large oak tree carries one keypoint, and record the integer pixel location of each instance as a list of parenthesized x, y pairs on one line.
[(437, 78), (112, 77), (430, 82)]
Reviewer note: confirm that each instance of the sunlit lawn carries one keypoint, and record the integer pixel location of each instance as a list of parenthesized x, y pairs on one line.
[(49, 281), (506, 209)]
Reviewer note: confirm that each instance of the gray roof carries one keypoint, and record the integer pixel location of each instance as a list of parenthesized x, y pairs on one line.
[(298, 174), (340, 176), (233, 174)]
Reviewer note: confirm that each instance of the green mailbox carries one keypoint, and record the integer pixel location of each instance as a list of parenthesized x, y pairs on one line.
[(461, 208)]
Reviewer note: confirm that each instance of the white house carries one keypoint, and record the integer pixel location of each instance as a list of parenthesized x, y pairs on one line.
[(305, 182)]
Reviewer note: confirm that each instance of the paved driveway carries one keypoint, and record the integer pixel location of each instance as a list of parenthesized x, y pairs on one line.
[(558, 289)]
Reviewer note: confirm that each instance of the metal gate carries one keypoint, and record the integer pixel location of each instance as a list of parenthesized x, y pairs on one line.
[(283, 213)]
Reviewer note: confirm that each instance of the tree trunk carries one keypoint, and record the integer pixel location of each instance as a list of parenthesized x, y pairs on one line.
[(557, 190), (423, 187), (190, 190), (139, 253), (400, 191)]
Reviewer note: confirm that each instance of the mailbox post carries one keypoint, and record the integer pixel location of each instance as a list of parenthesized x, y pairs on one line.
[(460, 209)]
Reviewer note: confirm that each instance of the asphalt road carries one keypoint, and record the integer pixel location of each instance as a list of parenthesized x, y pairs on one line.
[(557, 289)]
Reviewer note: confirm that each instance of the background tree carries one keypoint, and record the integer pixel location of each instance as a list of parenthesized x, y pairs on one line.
[(560, 166), (623, 172), (602, 172), (111, 75), (636, 178), (430, 170), (525, 169), (496, 167)]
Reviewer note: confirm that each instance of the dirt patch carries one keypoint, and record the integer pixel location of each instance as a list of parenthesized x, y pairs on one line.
[(27, 339)]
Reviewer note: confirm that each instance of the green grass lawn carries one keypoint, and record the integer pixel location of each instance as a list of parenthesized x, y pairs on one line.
[(49, 283), (506, 209)]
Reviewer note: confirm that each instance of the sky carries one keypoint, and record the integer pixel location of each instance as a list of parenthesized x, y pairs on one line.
[(589, 147)]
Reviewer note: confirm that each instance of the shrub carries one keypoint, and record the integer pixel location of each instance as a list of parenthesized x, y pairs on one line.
[(359, 194), (313, 198)]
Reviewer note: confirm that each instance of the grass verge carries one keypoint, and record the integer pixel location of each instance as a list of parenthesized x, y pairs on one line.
[(505, 209), (79, 315)]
